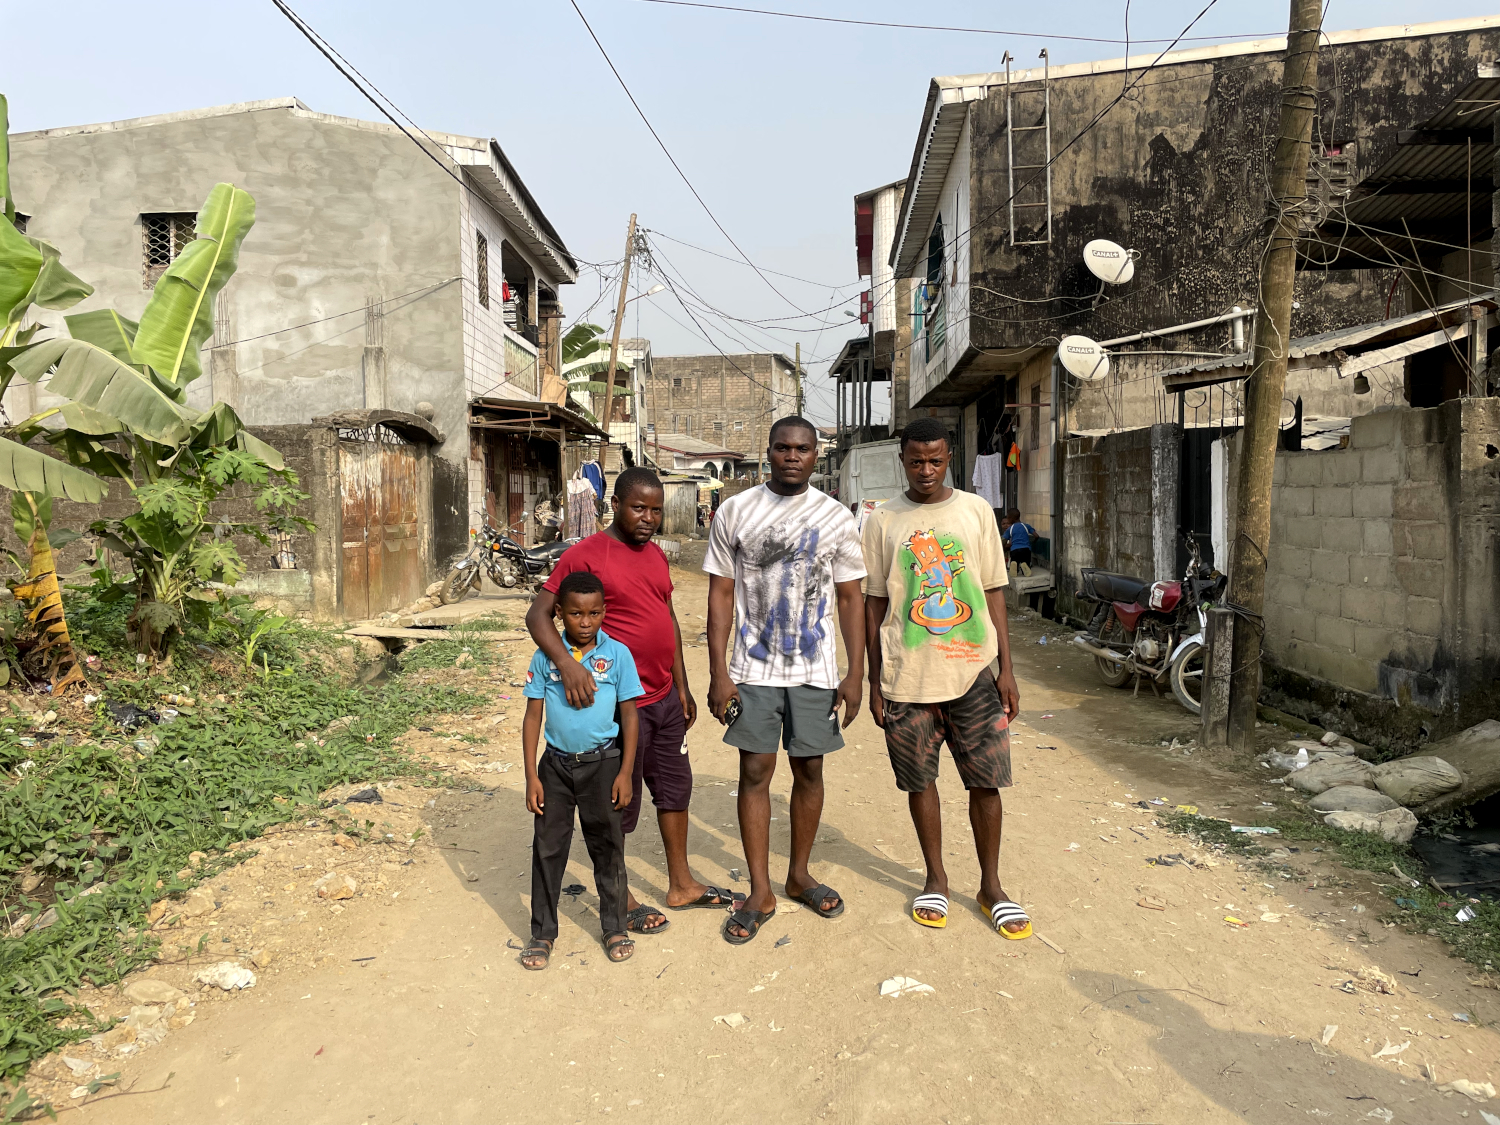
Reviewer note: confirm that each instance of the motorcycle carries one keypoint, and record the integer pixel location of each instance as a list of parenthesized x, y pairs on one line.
[(1152, 630), (507, 563)]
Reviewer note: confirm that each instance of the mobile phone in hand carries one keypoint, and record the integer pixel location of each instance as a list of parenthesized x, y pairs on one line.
[(732, 711)]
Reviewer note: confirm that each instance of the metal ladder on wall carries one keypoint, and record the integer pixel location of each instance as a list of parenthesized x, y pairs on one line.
[(1019, 92)]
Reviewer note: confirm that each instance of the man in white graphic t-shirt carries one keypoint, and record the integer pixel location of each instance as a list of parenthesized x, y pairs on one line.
[(779, 557)]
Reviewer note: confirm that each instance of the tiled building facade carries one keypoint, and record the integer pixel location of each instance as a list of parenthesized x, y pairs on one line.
[(729, 400)]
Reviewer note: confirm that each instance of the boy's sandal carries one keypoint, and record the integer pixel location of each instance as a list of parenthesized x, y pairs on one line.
[(1003, 913), (621, 949), (538, 947), (748, 920), (715, 898), (933, 904), (635, 924), (814, 897)]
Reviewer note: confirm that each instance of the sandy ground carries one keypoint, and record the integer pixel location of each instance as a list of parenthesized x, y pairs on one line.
[(408, 1005)]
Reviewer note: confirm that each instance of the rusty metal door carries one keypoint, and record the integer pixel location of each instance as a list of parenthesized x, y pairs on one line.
[(382, 568)]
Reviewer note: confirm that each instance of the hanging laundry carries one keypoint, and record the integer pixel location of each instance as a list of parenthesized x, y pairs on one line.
[(583, 509), (594, 475), (987, 479), (1013, 458)]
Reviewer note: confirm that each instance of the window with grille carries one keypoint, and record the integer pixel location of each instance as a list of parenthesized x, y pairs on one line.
[(676, 383), (651, 427), (738, 426), (164, 235), (482, 268)]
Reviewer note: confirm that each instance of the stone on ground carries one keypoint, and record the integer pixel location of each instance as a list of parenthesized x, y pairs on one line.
[(1351, 798)]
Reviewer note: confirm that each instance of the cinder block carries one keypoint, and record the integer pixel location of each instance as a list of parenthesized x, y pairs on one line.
[(1320, 597), (1303, 468), (1372, 430), (1290, 501), (1304, 531), (1371, 642), (1335, 633), (1285, 591), (1420, 501), (1372, 501), (1340, 667), (1342, 535), (1341, 466), (1425, 463), (1373, 571), (1333, 500), (1431, 546), (1278, 470), (1375, 537), (1424, 615), (1292, 562), (1331, 567), (1380, 465), (1419, 577), (1303, 627), (1418, 652), (1421, 427)]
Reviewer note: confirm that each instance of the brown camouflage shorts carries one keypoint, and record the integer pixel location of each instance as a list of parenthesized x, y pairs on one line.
[(974, 726)]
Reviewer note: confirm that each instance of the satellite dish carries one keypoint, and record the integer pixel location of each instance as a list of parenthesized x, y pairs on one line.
[(1110, 262), (1083, 358)]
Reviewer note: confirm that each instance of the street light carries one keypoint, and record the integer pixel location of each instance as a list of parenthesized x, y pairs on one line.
[(653, 291)]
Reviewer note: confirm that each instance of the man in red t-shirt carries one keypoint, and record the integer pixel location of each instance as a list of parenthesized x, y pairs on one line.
[(638, 605)]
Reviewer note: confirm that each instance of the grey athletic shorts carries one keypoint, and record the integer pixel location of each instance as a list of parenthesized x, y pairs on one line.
[(793, 717)]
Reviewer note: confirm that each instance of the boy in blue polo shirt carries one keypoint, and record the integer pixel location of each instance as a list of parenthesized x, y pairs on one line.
[(587, 765), (1018, 536)]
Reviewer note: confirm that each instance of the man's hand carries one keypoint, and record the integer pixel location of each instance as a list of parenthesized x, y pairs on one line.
[(689, 708), (850, 689), (721, 690), (620, 791), (877, 706), (534, 795), (578, 683), (1010, 694)]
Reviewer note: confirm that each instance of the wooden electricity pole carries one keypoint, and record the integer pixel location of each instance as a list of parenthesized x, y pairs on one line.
[(614, 348), (797, 381), (1267, 382)]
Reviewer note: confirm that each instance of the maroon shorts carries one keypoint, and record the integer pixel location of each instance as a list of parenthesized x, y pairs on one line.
[(661, 759), (974, 726)]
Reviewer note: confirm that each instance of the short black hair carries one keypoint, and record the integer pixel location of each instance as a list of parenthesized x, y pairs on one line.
[(638, 477), (792, 421), (1015, 514), (580, 582), (923, 430)]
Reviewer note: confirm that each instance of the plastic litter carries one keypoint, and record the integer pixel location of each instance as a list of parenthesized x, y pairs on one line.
[(1042, 640), (574, 889), (128, 716), (1390, 1051), (1461, 1017), (732, 1020), (1465, 915), (903, 986), (1048, 715), (785, 939), (1190, 810), (226, 975), (370, 796), (1233, 921), (1329, 1032), (1073, 847), (1479, 1091), (1254, 830)]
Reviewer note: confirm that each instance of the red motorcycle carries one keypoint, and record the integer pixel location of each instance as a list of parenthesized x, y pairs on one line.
[(1152, 630)]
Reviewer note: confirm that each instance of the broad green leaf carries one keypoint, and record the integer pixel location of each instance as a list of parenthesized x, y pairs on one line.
[(56, 287), (20, 263), (180, 315), (23, 469), (86, 452), (10, 204), (107, 329), (582, 340), (220, 425), (87, 420), (259, 449), (92, 376)]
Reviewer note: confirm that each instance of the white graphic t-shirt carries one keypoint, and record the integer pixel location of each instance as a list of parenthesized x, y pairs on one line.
[(784, 553)]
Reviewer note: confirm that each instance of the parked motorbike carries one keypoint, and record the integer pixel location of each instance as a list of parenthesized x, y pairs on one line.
[(507, 563), (1152, 630)]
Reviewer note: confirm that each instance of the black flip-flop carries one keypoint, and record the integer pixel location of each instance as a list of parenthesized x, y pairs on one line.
[(714, 898), (633, 918), (749, 920), (537, 946), (626, 943), (814, 897)]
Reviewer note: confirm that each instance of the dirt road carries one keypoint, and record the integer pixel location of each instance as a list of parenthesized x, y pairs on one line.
[(417, 1011)]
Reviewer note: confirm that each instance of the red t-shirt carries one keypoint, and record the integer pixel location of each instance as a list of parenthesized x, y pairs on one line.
[(637, 603)]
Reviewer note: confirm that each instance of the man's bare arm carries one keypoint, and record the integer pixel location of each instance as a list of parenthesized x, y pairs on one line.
[(720, 620), (852, 626), (679, 673), (577, 683), (875, 611), (1010, 694)]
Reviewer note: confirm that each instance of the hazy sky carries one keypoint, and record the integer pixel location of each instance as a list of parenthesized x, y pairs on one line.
[(777, 122)]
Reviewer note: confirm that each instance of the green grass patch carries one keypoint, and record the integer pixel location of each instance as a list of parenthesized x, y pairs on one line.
[(120, 811)]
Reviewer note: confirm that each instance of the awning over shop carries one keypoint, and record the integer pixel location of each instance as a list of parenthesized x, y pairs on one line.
[(1356, 349), (527, 416)]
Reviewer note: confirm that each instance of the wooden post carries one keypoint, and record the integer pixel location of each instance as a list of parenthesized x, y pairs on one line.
[(614, 347), (1218, 657), (1267, 382)]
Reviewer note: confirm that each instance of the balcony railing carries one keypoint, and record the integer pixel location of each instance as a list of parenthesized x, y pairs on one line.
[(522, 370)]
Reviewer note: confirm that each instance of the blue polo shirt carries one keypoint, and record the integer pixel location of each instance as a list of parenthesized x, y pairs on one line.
[(1019, 535), (575, 730)]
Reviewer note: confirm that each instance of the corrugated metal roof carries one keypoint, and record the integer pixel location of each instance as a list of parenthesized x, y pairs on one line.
[(942, 123)]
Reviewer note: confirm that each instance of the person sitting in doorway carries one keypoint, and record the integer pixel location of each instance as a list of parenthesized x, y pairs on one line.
[(1018, 536)]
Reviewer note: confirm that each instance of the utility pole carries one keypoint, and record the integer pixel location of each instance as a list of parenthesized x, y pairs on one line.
[(1267, 382), (614, 347), (797, 380)]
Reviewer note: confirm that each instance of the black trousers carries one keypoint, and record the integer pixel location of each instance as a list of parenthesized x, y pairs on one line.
[(584, 786)]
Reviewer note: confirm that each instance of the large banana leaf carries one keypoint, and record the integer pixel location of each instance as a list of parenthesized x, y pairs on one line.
[(107, 329), (23, 469), (90, 375), (89, 453), (582, 340), (220, 425), (20, 262), (10, 206), (56, 286), (180, 315)]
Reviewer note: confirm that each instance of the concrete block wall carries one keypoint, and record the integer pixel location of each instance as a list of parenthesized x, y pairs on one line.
[(1382, 572), (722, 399)]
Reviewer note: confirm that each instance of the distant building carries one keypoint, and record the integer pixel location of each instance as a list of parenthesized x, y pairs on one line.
[(682, 454), (728, 400)]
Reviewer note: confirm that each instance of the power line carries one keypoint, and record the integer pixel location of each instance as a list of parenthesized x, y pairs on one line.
[(737, 261), (937, 27), (672, 159)]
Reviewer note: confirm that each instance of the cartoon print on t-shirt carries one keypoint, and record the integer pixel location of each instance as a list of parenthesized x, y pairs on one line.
[(935, 607), (782, 568)]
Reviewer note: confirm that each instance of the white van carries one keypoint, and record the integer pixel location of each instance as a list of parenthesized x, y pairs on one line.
[(872, 473)]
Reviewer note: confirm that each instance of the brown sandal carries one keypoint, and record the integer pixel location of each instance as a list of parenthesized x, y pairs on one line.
[(621, 949), (539, 947)]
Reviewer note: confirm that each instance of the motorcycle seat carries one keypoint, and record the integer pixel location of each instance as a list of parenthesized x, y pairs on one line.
[(1118, 587)]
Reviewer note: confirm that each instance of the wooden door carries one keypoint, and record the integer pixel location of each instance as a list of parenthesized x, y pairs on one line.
[(382, 566), (355, 466), (515, 472), (401, 568)]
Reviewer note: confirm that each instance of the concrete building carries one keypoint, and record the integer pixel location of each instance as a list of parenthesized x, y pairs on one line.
[(682, 454), (728, 400), (993, 234), (419, 285)]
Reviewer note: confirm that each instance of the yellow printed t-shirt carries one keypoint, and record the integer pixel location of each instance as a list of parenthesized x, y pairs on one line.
[(934, 562)]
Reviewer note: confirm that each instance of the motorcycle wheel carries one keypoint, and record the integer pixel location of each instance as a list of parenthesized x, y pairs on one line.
[(1111, 672), (1186, 675), (456, 586)]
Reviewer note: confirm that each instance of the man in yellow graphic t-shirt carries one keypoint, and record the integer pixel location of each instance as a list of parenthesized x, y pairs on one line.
[(934, 624)]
